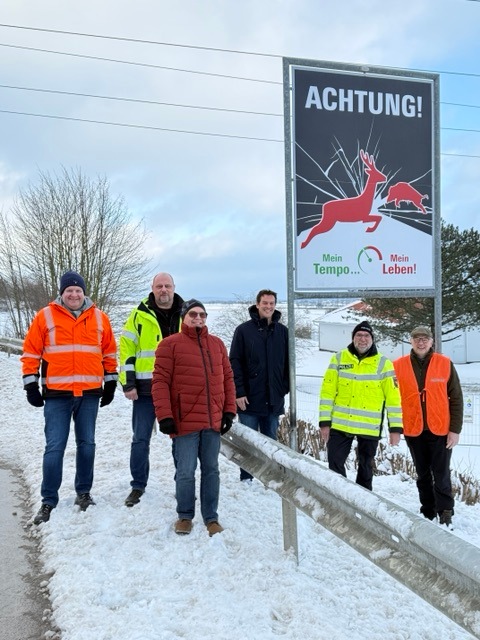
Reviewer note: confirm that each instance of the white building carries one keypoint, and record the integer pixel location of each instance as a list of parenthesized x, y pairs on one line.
[(335, 333)]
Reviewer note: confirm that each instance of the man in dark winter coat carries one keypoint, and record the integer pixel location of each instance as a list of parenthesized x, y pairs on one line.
[(155, 318), (259, 359)]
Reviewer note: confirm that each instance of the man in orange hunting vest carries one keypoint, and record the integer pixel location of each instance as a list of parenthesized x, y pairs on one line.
[(432, 404)]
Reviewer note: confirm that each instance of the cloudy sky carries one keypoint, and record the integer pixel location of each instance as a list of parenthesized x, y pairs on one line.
[(209, 183)]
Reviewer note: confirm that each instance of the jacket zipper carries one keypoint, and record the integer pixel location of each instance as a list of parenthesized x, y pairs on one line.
[(202, 352)]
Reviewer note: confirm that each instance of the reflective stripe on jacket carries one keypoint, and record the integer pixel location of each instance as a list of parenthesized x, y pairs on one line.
[(434, 395), (71, 354), (356, 393), (139, 340)]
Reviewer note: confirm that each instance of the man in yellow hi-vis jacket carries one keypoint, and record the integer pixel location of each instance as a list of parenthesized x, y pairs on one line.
[(359, 386), (155, 318)]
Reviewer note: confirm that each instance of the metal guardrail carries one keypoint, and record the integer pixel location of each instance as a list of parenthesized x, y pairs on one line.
[(439, 567), (11, 345)]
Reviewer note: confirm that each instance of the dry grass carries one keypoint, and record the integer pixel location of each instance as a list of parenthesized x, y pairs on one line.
[(465, 487)]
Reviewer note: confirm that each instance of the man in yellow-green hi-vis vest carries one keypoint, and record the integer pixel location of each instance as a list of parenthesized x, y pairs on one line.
[(155, 318), (359, 388)]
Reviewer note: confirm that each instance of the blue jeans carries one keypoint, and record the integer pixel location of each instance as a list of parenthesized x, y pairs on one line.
[(204, 445), (143, 420), (267, 425), (58, 413)]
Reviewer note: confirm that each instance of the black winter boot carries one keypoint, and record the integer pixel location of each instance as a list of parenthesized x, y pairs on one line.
[(84, 500), (43, 514)]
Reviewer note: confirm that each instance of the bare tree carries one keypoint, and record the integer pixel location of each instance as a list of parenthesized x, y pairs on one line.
[(224, 326), (62, 222)]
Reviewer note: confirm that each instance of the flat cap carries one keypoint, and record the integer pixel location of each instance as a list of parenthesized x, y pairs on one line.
[(421, 331)]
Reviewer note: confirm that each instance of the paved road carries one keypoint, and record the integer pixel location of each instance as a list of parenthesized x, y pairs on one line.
[(22, 603)]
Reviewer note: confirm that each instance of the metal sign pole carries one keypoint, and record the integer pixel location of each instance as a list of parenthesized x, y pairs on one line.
[(290, 535), (437, 223)]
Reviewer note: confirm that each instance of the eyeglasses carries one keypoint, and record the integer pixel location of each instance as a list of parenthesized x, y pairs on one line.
[(421, 339), (200, 314)]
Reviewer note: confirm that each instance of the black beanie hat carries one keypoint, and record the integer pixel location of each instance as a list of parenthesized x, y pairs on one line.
[(363, 326), (71, 279), (190, 304)]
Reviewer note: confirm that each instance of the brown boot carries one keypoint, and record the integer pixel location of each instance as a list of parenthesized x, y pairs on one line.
[(183, 527), (214, 527)]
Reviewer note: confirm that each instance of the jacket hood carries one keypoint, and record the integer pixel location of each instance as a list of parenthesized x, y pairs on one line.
[(254, 315), (88, 302)]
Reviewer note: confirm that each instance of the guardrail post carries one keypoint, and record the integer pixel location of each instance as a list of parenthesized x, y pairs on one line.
[(290, 536)]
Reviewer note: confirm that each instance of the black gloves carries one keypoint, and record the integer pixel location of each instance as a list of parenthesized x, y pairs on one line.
[(227, 421), (108, 392), (167, 426), (34, 397)]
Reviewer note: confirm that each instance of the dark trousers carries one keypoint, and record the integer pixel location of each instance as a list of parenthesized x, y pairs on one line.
[(338, 449), (432, 464)]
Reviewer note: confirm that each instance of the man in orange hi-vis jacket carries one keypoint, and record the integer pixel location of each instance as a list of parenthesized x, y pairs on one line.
[(432, 403), (71, 346)]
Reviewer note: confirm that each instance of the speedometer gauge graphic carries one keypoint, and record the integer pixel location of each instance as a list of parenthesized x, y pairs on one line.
[(366, 256)]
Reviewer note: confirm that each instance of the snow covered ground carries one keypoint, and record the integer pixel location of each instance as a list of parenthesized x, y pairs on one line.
[(123, 574)]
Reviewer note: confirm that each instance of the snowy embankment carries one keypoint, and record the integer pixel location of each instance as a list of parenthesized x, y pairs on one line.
[(123, 574)]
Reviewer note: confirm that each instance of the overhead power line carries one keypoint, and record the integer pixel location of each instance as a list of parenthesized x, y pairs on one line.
[(185, 46), (458, 104), (174, 104), (139, 101), (138, 126), (459, 155), (460, 129), (143, 41), (190, 132), (138, 64), (175, 69)]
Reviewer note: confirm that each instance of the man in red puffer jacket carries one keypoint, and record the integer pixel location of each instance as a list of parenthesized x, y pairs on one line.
[(194, 397)]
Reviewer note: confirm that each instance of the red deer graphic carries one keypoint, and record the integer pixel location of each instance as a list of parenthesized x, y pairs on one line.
[(357, 209), (403, 191)]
